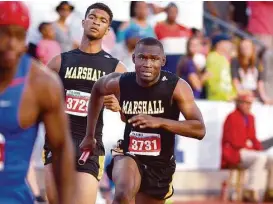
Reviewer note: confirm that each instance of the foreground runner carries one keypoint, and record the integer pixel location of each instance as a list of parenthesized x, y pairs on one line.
[(79, 69), (151, 102), (29, 94)]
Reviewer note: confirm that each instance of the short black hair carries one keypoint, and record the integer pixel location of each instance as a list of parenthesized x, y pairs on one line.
[(150, 41), (42, 25), (100, 6)]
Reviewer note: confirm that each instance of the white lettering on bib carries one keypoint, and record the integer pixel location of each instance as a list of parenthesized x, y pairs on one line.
[(144, 143), (77, 102)]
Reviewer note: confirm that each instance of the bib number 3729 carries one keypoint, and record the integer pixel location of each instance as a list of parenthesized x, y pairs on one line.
[(2, 152), (145, 143), (77, 102)]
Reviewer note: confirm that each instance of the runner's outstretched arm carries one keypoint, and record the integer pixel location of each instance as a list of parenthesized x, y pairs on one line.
[(193, 126), (104, 86)]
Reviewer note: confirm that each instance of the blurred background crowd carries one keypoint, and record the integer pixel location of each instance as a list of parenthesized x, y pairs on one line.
[(229, 55), (227, 58)]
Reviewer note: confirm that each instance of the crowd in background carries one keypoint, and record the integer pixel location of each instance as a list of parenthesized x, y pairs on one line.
[(218, 64)]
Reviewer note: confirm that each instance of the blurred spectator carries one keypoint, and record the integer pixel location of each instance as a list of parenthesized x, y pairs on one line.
[(191, 67), (63, 34), (171, 34), (219, 9), (170, 27), (247, 73), (48, 47), (261, 21), (124, 50), (139, 20), (109, 41), (219, 85), (241, 148), (206, 44)]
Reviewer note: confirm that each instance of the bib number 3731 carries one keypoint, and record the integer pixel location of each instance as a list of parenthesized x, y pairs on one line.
[(145, 143), (77, 102), (2, 152)]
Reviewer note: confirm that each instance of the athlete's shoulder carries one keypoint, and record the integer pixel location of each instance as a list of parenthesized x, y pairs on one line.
[(128, 74), (183, 90), (168, 76), (127, 77), (74, 51), (113, 75), (106, 55), (70, 52)]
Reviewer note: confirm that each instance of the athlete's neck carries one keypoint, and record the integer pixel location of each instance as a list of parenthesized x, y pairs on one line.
[(90, 46), (6, 76), (147, 84)]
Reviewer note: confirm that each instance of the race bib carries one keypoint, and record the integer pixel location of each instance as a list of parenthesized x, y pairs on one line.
[(77, 103), (2, 152), (145, 143)]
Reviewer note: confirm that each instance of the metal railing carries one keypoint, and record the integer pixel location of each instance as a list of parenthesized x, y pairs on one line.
[(231, 28)]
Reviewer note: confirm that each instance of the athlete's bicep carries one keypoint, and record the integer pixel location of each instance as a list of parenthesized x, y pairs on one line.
[(55, 63), (108, 84), (53, 115), (121, 68), (184, 97)]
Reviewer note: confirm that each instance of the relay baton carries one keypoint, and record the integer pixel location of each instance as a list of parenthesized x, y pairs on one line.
[(84, 157)]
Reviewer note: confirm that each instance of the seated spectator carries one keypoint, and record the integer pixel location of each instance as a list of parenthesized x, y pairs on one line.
[(247, 74), (47, 48), (170, 27), (191, 67), (138, 21), (241, 148), (219, 85), (124, 50)]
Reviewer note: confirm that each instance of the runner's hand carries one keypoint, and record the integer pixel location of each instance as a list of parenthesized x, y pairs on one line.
[(145, 121), (88, 143), (111, 103)]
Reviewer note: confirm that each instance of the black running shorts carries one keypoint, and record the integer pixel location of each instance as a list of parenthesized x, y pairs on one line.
[(94, 164), (156, 181)]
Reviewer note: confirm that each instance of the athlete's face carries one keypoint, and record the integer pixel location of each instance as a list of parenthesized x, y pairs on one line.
[(148, 61), (96, 24), (12, 45)]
